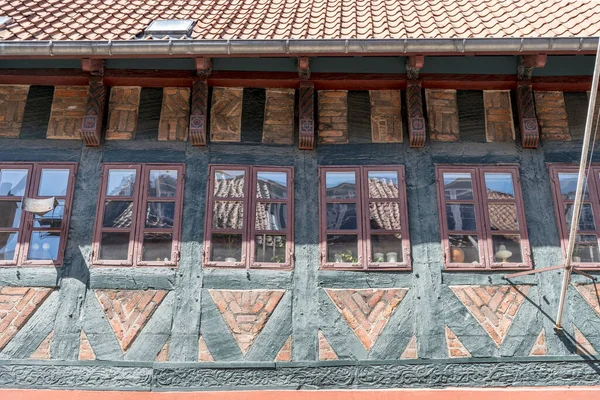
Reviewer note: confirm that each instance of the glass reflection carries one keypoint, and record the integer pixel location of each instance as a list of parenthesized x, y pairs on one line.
[(229, 183), (568, 186), (340, 185), (385, 215), (341, 216), (117, 214), (160, 214), (586, 218), (10, 214), (586, 249), (499, 185), (8, 244), (503, 216), (157, 247), (458, 186), (162, 183), (507, 248), (114, 246), (464, 249), (271, 185), (270, 249), (53, 182), (386, 248), (342, 248), (461, 217), (228, 215), (227, 248), (121, 182), (383, 184), (271, 216), (44, 246), (52, 219), (13, 182)]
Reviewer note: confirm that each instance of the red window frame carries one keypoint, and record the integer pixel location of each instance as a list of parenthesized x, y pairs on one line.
[(248, 230), (559, 207), (364, 230), (140, 198), (26, 228), (480, 201)]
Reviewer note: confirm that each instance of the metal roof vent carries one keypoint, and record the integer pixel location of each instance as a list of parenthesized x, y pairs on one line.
[(172, 28)]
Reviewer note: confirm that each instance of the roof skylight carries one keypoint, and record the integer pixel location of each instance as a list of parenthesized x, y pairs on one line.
[(170, 27)]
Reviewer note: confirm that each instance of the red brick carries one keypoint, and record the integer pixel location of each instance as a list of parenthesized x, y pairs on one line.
[(17, 311), (455, 348), (333, 116), (442, 114), (203, 353), (123, 112), (498, 116), (174, 115), (326, 352), (68, 108), (12, 109), (552, 115), (278, 127), (386, 117), (285, 354), (43, 350), (226, 114), (584, 347), (85, 349)]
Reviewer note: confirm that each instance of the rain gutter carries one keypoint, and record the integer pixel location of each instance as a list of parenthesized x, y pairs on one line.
[(294, 47)]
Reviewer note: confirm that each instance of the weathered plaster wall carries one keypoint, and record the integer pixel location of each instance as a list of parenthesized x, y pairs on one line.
[(189, 308)]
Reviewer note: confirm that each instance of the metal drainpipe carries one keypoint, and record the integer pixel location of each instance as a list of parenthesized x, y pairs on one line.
[(276, 47)]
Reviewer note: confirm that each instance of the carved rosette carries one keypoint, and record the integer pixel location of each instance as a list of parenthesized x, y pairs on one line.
[(528, 122), (307, 116), (91, 129), (198, 112), (417, 133)]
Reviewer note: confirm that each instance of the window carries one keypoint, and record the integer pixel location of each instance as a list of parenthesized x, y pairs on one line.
[(249, 223), (482, 218), (363, 218), (139, 215), (34, 239), (564, 183)]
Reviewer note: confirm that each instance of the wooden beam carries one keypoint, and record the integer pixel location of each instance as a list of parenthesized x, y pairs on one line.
[(528, 123), (416, 119), (416, 62), (306, 112), (91, 130), (303, 68), (199, 112), (535, 60)]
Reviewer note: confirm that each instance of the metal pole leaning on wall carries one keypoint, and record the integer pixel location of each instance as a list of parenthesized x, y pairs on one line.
[(579, 193)]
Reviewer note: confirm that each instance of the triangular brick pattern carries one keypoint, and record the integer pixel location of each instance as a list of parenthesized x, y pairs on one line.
[(494, 307), (367, 311), (203, 353), (85, 349), (43, 350), (17, 305), (128, 311), (285, 354), (540, 348), (246, 312), (410, 352), (584, 347), (163, 354), (326, 352), (591, 294), (455, 348)]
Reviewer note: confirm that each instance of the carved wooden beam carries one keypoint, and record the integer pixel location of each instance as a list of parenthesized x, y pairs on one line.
[(91, 129), (530, 133), (304, 68), (198, 112), (203, 67), (306, 112), (416, 119)]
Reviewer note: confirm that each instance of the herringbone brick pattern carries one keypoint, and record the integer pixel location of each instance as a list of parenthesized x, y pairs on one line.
[(540, 347), (17, 305), (128, 311), (246, 312), (367, 311), (326, 352), (411, 351), (494, 307), (455, 348), (285, 354), (591, 294)]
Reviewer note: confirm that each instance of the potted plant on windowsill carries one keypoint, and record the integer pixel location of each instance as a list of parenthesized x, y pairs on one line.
[(345, 257)]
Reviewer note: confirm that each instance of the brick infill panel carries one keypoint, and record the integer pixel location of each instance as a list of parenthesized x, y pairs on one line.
[(123, 109), (226, 114), (499, 123), (552, 115), (175, 113), (17, 305), (333, 116), (12, 108), (386, 117), (442, 114), (278, 127), (68, 109)]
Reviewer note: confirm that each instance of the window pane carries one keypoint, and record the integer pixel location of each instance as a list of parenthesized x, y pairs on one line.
[(162, 183), (229, 183), (586, 249), (157, 247), (340, 185), (114, 246), (499, 185), (342, 248), (383, 184), (386, 248), (52, 219), (269, 249), (13, 182), (568, 186), (271, 216), (271, 185), (160, 214), (586, 219), (10, 214), (8, 244), (503, 216), (458, 186), (385, 215), (228, 215), (117, 214), (54, 182), (44, 246), (341, 216), (461, 217), (121, 182), (507, 248), (226, 248), (464, 249)]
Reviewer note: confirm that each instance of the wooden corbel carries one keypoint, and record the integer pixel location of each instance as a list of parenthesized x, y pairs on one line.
[(528, 123), (91, 129), (304, 68), (417, 132), (199, 108), (306, 112)]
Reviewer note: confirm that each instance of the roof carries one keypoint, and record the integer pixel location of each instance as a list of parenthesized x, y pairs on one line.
[(301, 19)]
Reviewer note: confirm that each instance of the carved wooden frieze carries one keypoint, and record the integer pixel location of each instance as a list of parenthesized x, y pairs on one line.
[(417, 133), (91, 130), (306, 112), (198, 112)]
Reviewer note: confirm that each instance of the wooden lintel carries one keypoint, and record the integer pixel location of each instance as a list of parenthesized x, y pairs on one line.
[(416, 62), (535, 60)]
